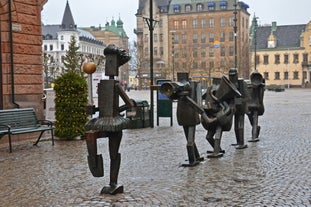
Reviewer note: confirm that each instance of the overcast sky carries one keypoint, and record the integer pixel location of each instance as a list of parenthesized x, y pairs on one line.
[(95, 12)]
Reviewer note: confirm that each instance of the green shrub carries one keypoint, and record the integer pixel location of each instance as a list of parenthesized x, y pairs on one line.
[(70, 97)]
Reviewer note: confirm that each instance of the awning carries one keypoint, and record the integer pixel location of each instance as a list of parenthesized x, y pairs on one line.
[(244, 5), (176, 6), (211, 4), (223, 3)]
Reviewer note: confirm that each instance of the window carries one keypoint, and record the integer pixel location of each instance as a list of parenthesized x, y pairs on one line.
[(175, 39), (62, 37), (223, 5), (222, 36), (188, 8), (285, 75), (194, 24), (184, 38), (203, 52), (211, 52), (195, 38), (45, 47), (231, 21), (266, 59), (304, 75), (211, 23), (146, 51), (296, 75), (161, 51), (62, 47), (276, 59), (257, 60), (203, 38), (203, 23), (231, 51), (195, 65), (176, 25), (155, 51), (305, 58), (231, 36), (199, 7), (161, 37), (211, 6), (184, 65), (203, 65), (296, 58), (211, 37), (155, 38), (266, 75), (222, 22), (222, 51), (195, 52), (176, 8), (184, 52), (51, 47), (211, 65), (184, 24), (277, 76), (286, 59)]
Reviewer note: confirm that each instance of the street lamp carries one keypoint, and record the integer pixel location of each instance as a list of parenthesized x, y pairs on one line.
[(235, 36), (173, 54), (255, 25)]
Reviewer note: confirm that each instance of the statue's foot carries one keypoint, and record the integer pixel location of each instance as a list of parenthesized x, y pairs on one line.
[(211, 152), (200, 159), (191, 164), (112, 189), (215, 155), (241, 146), (254, 140)]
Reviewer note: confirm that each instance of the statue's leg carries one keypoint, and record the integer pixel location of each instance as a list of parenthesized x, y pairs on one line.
[(255, 127), (210, 138), (95, 161), (239, 131), (115, 161), (217, 148), (191, 147)]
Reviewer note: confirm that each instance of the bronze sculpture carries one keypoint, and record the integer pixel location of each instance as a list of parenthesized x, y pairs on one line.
[(219, 106), (109, 123), (240, 107), (256, 108), (188, 95)]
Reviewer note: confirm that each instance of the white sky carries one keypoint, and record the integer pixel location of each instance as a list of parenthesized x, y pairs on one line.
[(94, 12)]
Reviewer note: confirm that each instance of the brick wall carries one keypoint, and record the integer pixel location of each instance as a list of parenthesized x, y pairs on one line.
[(27, 54)]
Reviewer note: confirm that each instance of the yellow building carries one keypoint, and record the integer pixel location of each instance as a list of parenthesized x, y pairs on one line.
[(282, 54)]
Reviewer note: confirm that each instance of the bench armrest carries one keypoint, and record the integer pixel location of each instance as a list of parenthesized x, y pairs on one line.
[(46, 122)]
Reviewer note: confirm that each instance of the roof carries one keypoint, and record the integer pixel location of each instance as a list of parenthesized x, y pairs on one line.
[(287, 36), (68, 23)]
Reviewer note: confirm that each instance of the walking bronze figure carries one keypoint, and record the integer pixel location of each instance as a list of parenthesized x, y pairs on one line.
[(109, 123), (240, 107), (188, 95), (256, 107)]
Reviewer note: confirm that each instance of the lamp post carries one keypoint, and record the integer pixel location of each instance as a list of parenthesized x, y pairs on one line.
[(173, 54), (235, 28), (255, 24), (151, 24)]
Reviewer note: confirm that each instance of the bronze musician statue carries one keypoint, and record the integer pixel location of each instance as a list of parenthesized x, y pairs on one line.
[(109, 123)]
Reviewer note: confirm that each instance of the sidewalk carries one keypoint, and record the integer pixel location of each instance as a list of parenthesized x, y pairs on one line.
[(276, 171)]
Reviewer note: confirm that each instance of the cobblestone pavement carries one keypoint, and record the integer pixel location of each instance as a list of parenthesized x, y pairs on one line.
[(276, 171)]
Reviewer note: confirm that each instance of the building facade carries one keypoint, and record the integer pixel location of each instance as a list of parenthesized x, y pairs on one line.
[(197, 37), (56, 39), (282, 54), (21, 83)]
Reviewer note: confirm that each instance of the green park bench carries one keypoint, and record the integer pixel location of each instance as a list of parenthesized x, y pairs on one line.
[(21, 121)]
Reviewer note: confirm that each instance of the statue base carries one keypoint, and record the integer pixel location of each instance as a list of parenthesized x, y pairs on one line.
[(112, 189)]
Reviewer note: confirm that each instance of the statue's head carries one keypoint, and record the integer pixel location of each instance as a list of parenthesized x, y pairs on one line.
[(233, 75), (115, 57)]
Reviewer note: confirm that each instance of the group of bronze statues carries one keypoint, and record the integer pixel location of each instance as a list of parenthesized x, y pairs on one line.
[(215, 109)]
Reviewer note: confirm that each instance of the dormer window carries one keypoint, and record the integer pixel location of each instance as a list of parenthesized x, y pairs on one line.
[(188, 8), (271, 41), (176, 8), (211, 6), (199, 7), (223, 5)]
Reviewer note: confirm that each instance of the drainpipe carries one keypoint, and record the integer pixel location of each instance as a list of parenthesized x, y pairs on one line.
[(11, 56)]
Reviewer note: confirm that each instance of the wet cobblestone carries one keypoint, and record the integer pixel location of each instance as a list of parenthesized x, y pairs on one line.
[(273, 172)]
